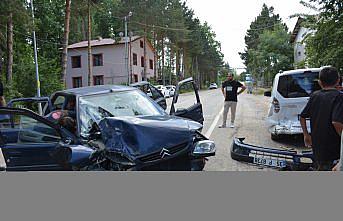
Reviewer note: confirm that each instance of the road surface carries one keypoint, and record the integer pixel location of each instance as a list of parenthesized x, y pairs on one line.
[(250, 123)]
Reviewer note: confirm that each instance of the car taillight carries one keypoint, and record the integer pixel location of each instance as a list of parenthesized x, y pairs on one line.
[(276, 105)]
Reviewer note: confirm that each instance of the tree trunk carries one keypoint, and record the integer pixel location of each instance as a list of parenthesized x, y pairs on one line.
[(83, 29), (0, 61), (183, 67), (90, 74), (145, 56), (155, 57), (65, 43), (9, 49), (170, 64), (178, 73), (162, 63)]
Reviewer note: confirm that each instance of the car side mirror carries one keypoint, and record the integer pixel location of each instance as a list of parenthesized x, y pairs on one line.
[(268, 94)]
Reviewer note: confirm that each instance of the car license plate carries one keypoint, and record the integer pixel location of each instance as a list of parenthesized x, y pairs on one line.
[(270, 162)]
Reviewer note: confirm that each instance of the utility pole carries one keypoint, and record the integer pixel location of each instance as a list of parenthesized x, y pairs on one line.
[(36, 59), (127, 49), (90, 74)]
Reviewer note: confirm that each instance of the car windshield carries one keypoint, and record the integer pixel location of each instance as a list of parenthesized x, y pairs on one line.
[(298, 85), (118, 104)]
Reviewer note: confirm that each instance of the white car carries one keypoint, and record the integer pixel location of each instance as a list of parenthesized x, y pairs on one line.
[(289, 96), (171, 89), (213, 86), (163, 90)]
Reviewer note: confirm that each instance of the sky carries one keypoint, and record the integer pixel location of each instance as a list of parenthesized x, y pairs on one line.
[(230, 20)]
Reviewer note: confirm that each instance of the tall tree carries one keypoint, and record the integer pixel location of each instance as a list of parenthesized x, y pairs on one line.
[(9, 48), (273, 54), (266, 20), (65, 42), (325, 45)]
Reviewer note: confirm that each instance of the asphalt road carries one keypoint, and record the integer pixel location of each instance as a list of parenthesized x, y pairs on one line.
[(250, 123)]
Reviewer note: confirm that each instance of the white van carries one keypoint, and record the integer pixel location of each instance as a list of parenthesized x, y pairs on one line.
[(290, 94)]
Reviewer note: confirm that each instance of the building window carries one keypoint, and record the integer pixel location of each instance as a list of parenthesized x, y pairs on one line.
[(299, 53), (136, 78), (98, 80), (142, 44), (77, 82), (97, 60), (142, 62), (135, 62), (151, 62), (76, 61)]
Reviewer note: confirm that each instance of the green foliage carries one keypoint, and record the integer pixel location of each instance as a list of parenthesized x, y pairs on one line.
[(189, 46), (325, 45), (273, 54), (268, 49), (266, 20)]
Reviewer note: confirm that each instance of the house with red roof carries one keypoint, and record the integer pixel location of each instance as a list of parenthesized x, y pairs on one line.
[(109, 62)]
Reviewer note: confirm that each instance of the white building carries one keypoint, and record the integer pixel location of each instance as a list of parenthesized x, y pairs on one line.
[(109, 62), (298, 35)]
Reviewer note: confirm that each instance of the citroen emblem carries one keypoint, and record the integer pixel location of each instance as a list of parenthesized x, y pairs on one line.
[(164, 153)]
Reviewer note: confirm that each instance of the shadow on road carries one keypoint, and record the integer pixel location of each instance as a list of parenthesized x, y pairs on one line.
[(292, 141)]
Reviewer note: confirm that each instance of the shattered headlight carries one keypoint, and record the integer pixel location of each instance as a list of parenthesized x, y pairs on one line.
[(204, 148)]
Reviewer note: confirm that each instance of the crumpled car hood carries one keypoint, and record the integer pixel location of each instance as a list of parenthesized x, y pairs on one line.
[(139, 136)]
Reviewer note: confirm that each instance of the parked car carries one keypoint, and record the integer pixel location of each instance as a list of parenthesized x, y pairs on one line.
[(289, 96), (163, 90), (213, 86), (115, 128), (152, 92), (171, 89)]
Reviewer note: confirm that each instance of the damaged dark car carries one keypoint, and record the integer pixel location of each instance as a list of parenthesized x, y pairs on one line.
[(103, 128)]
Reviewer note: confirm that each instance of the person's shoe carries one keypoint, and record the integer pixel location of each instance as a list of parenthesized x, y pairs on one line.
[(232, 125), (222, 126)]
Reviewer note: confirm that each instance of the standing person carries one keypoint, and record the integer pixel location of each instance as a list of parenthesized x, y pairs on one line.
[(325, 111), (2, 98), (229, 89)]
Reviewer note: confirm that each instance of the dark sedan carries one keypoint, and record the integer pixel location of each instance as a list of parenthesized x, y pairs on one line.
[(115, 128)]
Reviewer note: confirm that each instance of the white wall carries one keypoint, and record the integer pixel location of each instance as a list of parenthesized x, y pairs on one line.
[(114, 71), (140, 52), (299, 46)]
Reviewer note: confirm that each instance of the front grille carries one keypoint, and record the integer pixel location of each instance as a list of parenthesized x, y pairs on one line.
[(157, 155), (181, 162)]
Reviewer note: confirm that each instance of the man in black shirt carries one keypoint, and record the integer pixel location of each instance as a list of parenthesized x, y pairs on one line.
[(325, 111), (229, 89)]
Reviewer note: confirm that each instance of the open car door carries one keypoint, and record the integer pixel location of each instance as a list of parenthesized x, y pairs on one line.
[(39, 105), (188, 105), (29, 142), (152, 92)]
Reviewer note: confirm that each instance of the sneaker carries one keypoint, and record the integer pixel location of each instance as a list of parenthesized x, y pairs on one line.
[(232, 126), (222, 126)]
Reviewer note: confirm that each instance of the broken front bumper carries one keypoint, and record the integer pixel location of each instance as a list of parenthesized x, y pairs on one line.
[(289, 160)]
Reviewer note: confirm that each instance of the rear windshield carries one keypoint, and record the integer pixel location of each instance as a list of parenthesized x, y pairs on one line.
[(298, 85)]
